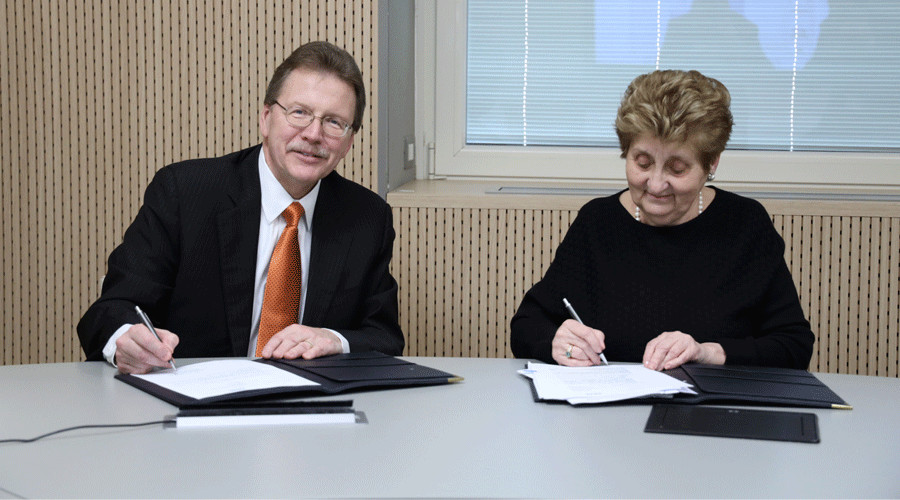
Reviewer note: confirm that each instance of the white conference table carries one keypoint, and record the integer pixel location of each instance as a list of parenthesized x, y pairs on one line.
[(481, 438)]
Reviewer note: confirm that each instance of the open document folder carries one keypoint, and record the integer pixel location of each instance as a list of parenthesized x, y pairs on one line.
[(688, 384), (242, 379), (600, 384)]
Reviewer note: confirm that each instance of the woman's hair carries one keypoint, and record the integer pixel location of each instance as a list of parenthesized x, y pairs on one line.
[(324, 57), (677, 106)]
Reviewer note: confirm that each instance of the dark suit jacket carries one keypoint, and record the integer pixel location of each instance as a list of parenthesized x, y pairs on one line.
[(189, 260)]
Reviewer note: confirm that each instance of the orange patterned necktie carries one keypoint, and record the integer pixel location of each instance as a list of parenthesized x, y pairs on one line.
[(281, 301)]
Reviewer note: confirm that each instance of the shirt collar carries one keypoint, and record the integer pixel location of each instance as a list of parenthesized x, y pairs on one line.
[(275, 198)]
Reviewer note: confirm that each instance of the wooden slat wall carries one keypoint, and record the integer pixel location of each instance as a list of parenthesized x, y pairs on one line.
[(95, 96), (847, 272), (463, 271)]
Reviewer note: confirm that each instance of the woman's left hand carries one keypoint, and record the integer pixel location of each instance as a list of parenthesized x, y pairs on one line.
[(673, 349)]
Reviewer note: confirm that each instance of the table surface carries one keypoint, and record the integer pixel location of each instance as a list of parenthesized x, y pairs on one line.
[(484, 437)]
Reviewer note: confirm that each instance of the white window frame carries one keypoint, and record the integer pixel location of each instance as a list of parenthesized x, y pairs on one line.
[(440, 124)]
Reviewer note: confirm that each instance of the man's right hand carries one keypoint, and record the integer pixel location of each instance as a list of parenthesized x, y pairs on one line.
[(138, 351)]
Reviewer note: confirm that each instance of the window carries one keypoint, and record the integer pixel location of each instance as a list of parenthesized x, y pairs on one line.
[(529, 88)]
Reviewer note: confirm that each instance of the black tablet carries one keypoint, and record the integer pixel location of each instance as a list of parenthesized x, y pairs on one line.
[(733, 422)]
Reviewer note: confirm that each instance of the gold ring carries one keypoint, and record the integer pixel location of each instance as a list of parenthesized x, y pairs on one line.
[(307, 342), (569, 351)]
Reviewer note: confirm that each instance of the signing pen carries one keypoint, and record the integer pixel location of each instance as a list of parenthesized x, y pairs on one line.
[(149, 325), (576, 318)]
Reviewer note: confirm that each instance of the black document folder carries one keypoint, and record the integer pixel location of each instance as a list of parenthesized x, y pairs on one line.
[(734, 423), (755, 385), (748, 385), (332, 374)]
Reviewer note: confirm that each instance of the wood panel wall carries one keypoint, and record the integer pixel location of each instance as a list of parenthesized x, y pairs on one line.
[(463, 267), (847, 272), (96, 95)]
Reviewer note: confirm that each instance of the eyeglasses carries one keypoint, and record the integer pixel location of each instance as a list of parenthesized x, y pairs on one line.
[(300, 117)]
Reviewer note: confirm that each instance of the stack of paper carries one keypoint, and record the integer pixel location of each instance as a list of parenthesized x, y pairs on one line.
[(600, 384)]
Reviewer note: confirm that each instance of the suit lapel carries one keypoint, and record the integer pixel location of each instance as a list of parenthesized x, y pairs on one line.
[(238, 222), (330, 246)]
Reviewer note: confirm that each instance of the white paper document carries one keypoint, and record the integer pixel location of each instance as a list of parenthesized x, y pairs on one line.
[(600, 384), (215, 378)]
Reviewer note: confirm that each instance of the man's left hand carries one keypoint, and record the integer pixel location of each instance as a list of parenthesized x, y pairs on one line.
[(298, 341)]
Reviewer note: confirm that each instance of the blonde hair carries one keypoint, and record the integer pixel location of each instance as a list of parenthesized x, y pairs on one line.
[(677, 106)]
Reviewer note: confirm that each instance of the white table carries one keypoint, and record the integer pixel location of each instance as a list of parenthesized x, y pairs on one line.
[(484, 437)]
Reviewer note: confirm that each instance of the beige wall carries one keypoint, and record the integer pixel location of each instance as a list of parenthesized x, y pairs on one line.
[(95, 96)]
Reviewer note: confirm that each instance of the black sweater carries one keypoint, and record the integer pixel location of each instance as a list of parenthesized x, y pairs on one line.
[(720, 277)]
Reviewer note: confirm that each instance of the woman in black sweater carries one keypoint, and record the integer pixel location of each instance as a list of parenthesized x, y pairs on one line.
[(669, 270)]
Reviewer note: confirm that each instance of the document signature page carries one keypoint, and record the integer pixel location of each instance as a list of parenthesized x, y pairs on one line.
[(600, 384), (215, 378)]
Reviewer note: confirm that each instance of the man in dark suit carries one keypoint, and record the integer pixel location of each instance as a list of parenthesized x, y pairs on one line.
[(196, 257)]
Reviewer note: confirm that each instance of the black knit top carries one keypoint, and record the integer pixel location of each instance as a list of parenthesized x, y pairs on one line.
[(720, 277)]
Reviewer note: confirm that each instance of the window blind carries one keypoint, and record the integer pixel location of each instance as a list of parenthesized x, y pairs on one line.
[(804, 75)]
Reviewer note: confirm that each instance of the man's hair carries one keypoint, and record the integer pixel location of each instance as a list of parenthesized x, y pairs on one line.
[(677, 106), (323, 57)]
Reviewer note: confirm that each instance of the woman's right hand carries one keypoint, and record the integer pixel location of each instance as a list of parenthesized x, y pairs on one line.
[(577, 345)]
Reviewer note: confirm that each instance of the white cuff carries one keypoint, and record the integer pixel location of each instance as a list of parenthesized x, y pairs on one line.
[(345, 346), (109, 350)]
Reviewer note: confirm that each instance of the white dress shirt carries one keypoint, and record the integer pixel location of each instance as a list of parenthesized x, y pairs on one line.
[(271, 224)]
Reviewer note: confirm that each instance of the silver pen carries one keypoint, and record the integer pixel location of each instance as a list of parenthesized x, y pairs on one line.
[(576, 318), (146, 321)]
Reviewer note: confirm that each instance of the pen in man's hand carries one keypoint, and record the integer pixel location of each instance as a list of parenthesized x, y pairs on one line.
[(576, 318), (146, 321)]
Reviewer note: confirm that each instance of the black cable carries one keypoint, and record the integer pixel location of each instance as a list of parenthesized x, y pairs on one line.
[(90, 426), (11, 494)]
